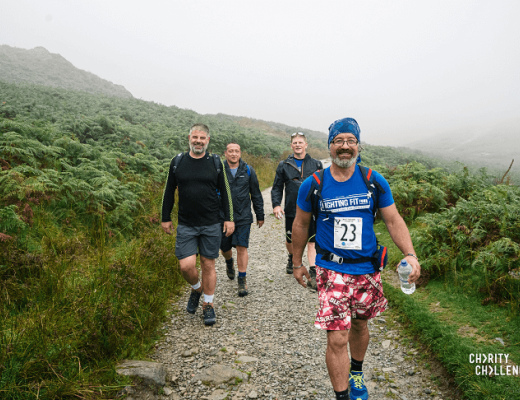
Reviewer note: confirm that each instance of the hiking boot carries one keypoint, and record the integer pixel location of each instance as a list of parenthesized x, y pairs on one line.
[(289, 268), (242, 286), (358, 390), (229, 269), (312, 282), (193, 301), (208, 313)]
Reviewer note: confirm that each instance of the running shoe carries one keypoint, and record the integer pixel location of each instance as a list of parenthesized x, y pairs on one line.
[(358, 390), (242, 286), (289, 268), (209, 314), (193, 301), (229, 269), (312, 282)]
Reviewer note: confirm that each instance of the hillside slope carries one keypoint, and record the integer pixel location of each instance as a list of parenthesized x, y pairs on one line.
[(493, 149), (39, 66), (129, 124), (276, 128)]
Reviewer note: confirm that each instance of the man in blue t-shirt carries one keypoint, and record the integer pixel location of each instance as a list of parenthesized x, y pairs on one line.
[(349, 287)]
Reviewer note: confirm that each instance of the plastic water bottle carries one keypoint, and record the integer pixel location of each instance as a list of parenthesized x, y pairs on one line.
[(404, 270)]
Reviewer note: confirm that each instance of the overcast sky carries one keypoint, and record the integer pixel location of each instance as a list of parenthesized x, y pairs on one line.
[(403, 69)]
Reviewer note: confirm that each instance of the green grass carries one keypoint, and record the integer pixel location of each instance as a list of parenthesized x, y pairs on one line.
[(484, 323), (452, 323), (69, 313), (453, 350)]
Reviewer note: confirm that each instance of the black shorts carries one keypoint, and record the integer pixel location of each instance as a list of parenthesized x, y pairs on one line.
[(240, 237), (288, 230)]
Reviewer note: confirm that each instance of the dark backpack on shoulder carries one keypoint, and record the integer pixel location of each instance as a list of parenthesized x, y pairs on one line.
[(380, 257), (218, 165), (178, 158)]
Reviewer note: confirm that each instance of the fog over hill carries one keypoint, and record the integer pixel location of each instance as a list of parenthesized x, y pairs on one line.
[(492, 148), (40, 67), (275, 128)]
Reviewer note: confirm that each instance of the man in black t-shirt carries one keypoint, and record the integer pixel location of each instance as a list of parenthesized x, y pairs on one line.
[(199, 177)]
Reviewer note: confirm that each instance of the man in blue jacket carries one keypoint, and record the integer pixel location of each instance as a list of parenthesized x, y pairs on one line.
[(244, 186)]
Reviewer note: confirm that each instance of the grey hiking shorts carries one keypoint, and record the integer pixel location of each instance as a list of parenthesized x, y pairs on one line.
[(204, 240)]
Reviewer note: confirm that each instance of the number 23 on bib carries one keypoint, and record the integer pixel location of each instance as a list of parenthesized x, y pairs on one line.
[(348, 233)]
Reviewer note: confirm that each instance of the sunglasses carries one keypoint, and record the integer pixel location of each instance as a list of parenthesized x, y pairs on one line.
[(297, 133)]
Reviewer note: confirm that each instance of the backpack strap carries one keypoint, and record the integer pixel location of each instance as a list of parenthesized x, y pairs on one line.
[(329, 256), (380, 257), (314, 194), (217, 161), (373, 186), (248, 170), (177, 160), (316, 185)]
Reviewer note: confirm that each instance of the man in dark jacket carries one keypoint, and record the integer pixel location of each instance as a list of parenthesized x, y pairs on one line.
[(244, 188), (289, 176)]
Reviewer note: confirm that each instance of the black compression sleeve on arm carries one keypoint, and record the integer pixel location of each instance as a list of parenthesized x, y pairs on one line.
[(169, 195)]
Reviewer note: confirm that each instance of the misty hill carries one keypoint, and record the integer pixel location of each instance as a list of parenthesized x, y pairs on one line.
[(276, 128), (492, 149), (38, 66)]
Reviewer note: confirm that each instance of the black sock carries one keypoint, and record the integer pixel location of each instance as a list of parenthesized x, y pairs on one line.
[(356, 365), (290, 256), (342, 395), (230, 261)]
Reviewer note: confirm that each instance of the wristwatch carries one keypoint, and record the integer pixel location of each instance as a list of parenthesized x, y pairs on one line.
[(413, 255), (295, 267)]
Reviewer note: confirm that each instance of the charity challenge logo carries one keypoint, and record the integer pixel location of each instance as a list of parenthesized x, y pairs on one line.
[(493, 364), (340, 204)]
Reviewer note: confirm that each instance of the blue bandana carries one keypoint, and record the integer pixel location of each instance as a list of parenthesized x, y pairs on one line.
[(345, 125)]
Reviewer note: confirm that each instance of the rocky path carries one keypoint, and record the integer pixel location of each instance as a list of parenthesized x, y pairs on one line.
[(265, 346)]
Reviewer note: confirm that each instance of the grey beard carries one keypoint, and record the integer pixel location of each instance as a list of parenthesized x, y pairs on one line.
[(195, 151), (344, 163)]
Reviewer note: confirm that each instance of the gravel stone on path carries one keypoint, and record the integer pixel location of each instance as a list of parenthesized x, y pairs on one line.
[(269, 336)]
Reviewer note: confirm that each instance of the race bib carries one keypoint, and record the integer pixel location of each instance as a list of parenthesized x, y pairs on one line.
[(347, 233)]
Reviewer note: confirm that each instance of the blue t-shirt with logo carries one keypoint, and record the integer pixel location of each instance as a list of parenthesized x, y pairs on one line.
[(348, 229)]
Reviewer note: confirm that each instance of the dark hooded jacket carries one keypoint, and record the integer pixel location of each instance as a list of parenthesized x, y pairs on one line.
[(288, 177), (244, 188)]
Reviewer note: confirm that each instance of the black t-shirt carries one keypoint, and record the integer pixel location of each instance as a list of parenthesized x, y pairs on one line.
[(198, 183)]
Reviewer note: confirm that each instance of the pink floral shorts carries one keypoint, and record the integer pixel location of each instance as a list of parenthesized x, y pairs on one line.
[(344, 296)]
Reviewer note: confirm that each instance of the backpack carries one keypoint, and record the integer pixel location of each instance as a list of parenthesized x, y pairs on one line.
[(216, 160), (178, 158), (379, 258), (248, 169)]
